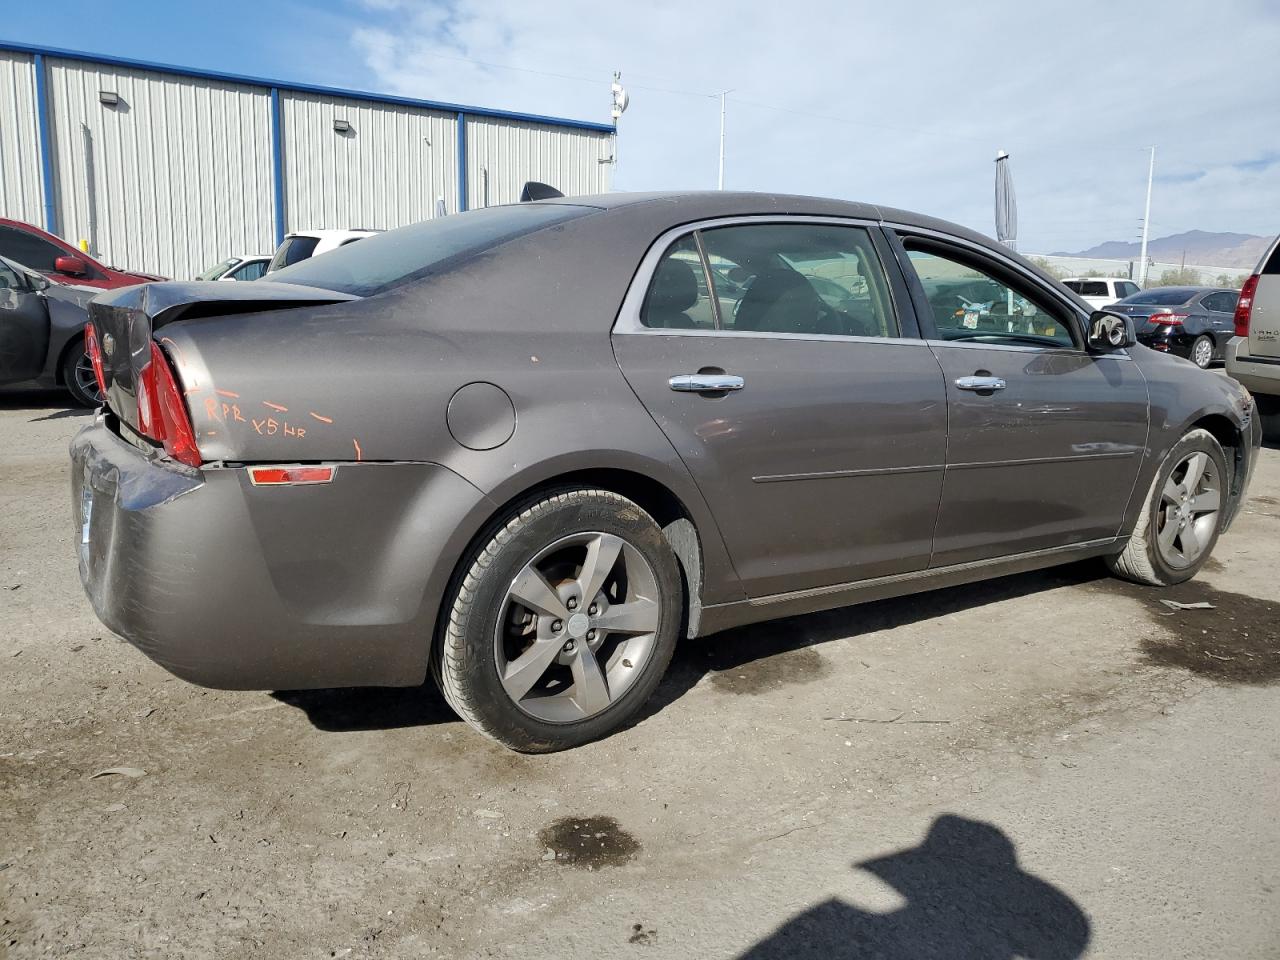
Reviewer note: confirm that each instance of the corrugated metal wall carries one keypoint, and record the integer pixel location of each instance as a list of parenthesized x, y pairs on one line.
[(181, 172), (172, 179), (508, 153), (386, 171), (21, 196)]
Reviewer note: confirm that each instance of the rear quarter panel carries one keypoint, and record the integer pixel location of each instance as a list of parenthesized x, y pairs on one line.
[(374, 380)]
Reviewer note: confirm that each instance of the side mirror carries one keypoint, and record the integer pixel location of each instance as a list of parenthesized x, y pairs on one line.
[(71, 265), (37, 282), (1109, 332)]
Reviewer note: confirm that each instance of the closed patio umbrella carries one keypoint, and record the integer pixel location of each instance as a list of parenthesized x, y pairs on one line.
[(1006, 203)]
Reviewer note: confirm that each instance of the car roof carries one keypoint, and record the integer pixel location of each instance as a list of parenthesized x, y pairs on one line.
[(685, 206)]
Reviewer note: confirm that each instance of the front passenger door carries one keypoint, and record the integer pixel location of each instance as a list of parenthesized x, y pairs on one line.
[(1044, 438), (24, 328)]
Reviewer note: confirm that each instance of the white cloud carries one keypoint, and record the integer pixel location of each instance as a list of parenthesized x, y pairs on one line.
[(926, 92)]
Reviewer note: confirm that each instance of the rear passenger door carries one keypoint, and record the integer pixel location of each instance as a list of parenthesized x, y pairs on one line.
[(773, 355), (1045, 438), (1221, 308)]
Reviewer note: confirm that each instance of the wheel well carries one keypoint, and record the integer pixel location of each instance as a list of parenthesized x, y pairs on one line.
[(651, 496), (70, 345), (1228, 436)]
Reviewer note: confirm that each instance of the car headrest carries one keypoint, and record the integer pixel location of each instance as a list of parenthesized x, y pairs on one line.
[(675, 286)]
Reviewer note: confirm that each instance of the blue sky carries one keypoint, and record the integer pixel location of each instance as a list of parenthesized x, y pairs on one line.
[(902, 104)]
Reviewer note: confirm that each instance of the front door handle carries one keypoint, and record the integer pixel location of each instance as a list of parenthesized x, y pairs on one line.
[(981, 384), (705, 382)]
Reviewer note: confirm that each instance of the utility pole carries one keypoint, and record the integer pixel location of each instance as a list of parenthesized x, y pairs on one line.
[(720, 178), (1146, 218)]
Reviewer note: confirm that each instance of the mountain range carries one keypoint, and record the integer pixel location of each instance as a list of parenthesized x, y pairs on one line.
[(1200, 247)]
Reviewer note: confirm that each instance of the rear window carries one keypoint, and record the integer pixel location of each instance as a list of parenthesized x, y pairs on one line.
[(1162, 298), (410, 253), (293, 250), (1088, 288), (1273, 261)]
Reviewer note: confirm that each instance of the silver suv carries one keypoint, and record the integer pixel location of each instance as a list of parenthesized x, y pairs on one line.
[(1253, 355)]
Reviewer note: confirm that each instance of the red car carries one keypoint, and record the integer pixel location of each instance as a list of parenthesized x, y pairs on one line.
[(59, 260)]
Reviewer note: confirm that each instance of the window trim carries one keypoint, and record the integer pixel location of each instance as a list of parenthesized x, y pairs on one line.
[(628, 318), (899, 234)]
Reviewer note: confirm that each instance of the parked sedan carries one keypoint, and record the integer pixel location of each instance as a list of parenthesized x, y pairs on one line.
[(525, 449), (42, 334), (1191, 322), (59, 261), (240, 267)]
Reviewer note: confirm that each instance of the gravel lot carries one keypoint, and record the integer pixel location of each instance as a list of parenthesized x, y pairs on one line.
[(1050, 765)]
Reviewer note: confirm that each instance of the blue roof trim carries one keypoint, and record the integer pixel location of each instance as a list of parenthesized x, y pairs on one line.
[(302, 87)]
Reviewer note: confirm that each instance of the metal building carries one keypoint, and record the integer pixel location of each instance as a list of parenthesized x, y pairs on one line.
[(167, 169)]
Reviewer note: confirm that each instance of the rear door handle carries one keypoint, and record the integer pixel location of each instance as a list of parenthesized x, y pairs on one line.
[(981, 384), (705, 382)]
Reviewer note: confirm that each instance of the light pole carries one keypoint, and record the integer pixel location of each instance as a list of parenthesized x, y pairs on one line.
[(1146, 219), (720, 178)]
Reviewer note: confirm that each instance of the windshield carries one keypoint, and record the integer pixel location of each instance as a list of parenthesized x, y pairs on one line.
[(1161, 298), (217, 270), (380, 262)]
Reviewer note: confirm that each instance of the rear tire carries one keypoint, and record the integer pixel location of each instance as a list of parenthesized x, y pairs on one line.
[(77, 376), (1202, 350), (562, 623), (1175, 515)]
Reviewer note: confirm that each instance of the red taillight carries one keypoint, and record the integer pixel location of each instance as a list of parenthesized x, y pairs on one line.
[(277, 476), (1244, 306), (1169, 319), (94, 351), (162, 415)]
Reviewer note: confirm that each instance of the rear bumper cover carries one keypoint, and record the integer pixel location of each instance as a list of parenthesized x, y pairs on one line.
[(1258, 374), (240, 587)]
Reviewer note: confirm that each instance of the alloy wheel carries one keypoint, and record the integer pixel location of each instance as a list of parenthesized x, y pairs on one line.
[(577, 627), (86, 380), (1202, 354), (1188, 510)]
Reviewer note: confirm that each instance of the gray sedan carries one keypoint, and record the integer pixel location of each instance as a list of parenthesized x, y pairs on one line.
[(526, 449), (42, 334)]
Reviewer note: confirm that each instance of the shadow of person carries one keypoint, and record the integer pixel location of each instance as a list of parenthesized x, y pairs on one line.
[(967, 899)]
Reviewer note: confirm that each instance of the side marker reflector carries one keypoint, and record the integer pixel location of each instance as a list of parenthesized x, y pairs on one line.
[(289, 476)]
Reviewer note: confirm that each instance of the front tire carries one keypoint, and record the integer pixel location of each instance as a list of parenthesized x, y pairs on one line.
[(563, 622), (78, 377), (1181, 517)]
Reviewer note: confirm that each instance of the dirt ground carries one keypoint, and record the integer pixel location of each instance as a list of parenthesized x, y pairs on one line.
[(1051, 765)]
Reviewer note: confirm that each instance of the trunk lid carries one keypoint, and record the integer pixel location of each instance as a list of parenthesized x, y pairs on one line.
[(128, 318)]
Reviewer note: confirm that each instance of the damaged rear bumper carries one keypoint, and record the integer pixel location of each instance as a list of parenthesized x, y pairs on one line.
[(240, 587)]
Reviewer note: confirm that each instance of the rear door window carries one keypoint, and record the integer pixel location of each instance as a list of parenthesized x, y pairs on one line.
[(806, 279), (1222, 302)]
